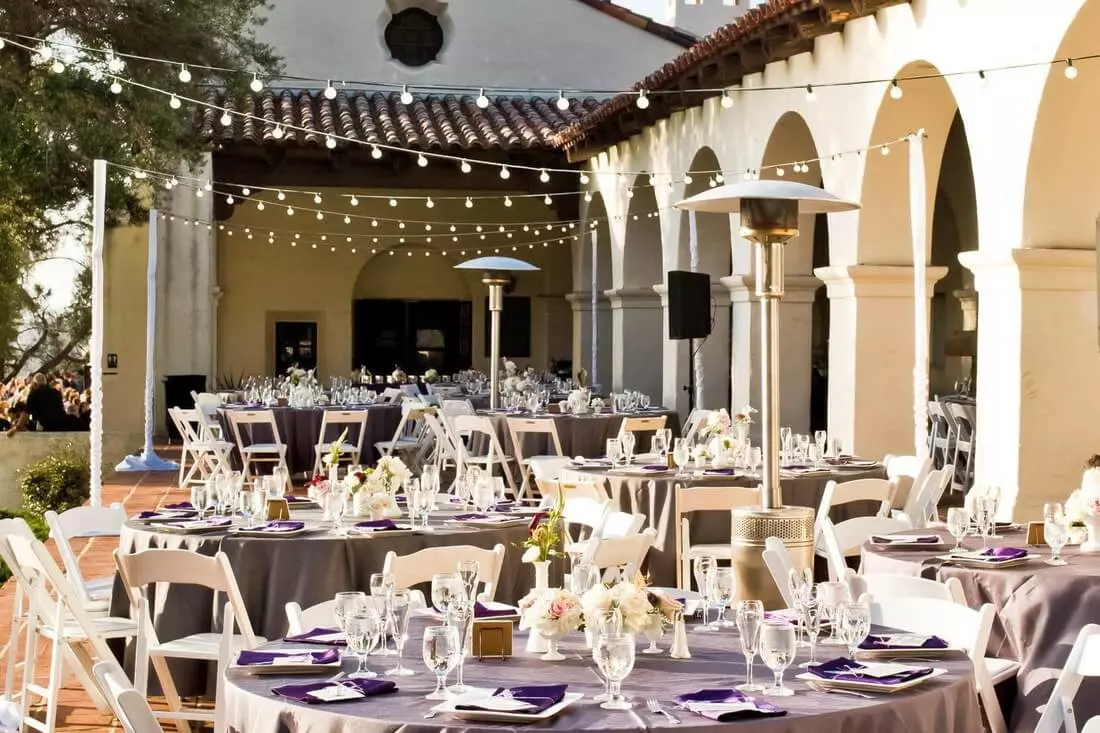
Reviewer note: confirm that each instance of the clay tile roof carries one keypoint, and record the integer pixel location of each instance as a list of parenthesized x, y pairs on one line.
[(670, 33), (431, 122), (776, 31)]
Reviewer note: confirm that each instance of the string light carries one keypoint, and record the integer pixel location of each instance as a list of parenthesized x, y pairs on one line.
[(256, 85), (584, 179), (1070, 70), (290, 211), (422, 161), (330, 91), (505, 173), (317, 198), (431, 205), (469, 203), (393, 203), (116, 87), (57, 67), (354, 201), (281, 196), (330, 142), (174, 102), (185, 75), (544, 176), (727, 100), (482, 101), (375, 152), (547, 200), (507, 200), (226, 118), (643, 100), (406, 95), (465, 167), (563, 101), (277, 133), (896, 91), (114, 63)]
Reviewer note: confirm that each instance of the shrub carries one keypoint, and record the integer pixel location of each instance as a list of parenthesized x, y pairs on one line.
[(38, 526), (59, 482)]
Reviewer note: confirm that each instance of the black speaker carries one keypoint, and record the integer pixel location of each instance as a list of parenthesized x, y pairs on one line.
[(688, 305)]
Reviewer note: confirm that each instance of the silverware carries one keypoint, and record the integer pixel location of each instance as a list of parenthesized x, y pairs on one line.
[(430, 714), (655, 707), (837, 691)]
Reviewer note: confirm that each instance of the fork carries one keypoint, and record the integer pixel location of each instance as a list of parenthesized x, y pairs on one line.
[(655, 707)]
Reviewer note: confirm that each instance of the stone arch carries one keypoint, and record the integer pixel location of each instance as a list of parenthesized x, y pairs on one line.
[(393, 275), (642, 259)]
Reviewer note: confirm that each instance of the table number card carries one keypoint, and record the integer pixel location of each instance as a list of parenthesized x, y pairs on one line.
[(492, 638), (277, 509), (1035, 533)]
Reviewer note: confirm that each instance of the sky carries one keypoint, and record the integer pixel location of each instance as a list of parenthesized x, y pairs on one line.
[(656, 9)]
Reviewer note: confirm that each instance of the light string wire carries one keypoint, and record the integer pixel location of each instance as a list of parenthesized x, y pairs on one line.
[(332, 139), (483, 89)]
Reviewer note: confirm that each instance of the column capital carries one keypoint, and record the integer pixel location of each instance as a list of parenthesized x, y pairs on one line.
[(798, 288), (875, 281), (633, 297), (1033, 269)]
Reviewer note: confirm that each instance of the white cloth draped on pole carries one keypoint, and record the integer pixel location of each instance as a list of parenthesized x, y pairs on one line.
[(697, 357), (918, 216), (593, 377), (95, 346)]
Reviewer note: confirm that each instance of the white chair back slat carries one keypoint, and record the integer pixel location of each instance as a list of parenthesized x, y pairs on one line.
[(846, 538), (419, 567), (1083, 661), (129, 706), (889, 586), (697, 418), (82, 522), (703, 498), (620, 556), (321, 615), (777, 558)]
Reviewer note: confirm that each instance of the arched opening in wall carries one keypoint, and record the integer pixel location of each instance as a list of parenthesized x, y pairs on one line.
[(635, 307), (791, 155), (713, 255), (642, 262), (885, 221), (592, 331), (415, 313)]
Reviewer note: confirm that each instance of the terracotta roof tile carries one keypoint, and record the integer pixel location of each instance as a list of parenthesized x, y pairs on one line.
[(431, 122), (670, 33)]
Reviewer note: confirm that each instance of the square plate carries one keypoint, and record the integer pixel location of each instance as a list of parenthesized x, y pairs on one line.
[(448, 708), (402, 529), (256, 532), (288, 669), (501, 521), (870, 686), (974, 562), (168, 515), (908, 542), (197, 526)]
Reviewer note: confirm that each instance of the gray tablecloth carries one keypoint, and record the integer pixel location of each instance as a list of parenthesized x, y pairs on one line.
[(580, 435), (300, 428), (655, 496), (311, 569), (943, 705), (1040, 608)]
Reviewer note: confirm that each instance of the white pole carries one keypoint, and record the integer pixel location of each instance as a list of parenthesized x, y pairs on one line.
[(918, 216), (697, 357), (149, 460), (99, 218), (594, 378)]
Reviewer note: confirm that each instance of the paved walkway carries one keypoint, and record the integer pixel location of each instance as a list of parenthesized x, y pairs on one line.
[(136, 492)]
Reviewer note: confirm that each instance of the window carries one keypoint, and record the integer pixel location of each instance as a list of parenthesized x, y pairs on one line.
[(414, 37)]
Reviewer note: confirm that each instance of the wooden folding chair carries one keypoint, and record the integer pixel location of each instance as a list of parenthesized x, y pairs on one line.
[(254, 452), (518, 428), (355, 422), (700, 499)]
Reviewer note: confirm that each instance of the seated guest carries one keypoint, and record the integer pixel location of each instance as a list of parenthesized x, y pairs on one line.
[(46, 407)]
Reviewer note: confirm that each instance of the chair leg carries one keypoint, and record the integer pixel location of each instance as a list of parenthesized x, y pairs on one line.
[(168, 687), (57, 668), (81, 663), (30, 658)]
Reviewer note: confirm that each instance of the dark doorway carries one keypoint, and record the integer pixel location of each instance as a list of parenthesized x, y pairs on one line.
[(295, 345), (416, 335)]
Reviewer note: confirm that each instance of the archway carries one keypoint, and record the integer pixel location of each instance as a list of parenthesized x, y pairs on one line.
[(597, 230), (791, 154), (713, 256)]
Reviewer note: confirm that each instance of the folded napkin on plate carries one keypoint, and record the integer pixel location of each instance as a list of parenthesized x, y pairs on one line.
[(901, 539), (726, 705), (843, 669), (320, 635), (183, 505), (279, 527), (719, 472), (493, 610), (253, 658), (1002, 553), (167, 513), (902, 641), (202, 523), (377, 525), (469, 517), (363, 688), (538, 697), (655, 467)]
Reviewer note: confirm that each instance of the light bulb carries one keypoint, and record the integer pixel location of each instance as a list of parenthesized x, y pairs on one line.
[(482, 101), (330, 91), (406, 95), (260, 205), (374, 223), (507, 200), (281, 196), (185, 75), (547, 200), (885, 149), (174, 181), (544, 176), (643, 100), (317, 198), (688, 180), (587, 197), (198, 193), (563, 101), (469, 203), (1071, 70), (810, 95), (330, 142), (277, 133), (208, 186), (896, 91), (375, 152), (46, 53), (116, 88), (290, 211), (354, 200), (429, 203), (584, 178), (505, 173), (256, 85), (226, 119), (422, 161), (465, 167), (174, 102), (320, 215), (780, 172), (114, 63), (347, 219), (393, 202), (720, 178), (630, 193), (246, 191), (727, 100)]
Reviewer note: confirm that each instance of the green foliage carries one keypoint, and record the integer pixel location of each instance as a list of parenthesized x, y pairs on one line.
[(55, 124), (59, 482), (37, 525)]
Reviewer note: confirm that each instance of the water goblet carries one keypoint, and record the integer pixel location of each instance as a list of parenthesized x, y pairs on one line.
[(440, 651), (785, 438), (468, 571), (363, 628), (614, 655), (1056, 534), (614, 451), (628, 441), (447, 590), (704, 569), (750, 616), (681, 454), (799, 580), (337, 503), (855, 624), (244, 503), (724, 586), (777, 649), (832, 596), (811, 620), (821, 440), (345, 604), (198, 499), (958, 524), (400, 610)]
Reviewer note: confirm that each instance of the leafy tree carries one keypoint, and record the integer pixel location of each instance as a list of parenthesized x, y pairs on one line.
[(54, 123)]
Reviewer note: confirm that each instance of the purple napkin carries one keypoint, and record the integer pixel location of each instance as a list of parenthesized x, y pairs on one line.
[(377, 525), (300, 693), (154, 515), (298, 500), (1003, 553), (310, 637), (655, 467), (468, 517), (924, 539), (280, 526), (483, 611), (847, 670), (878, 642), (248, 658), (541, 696), (760, 708), (719, 472), (183, 505)]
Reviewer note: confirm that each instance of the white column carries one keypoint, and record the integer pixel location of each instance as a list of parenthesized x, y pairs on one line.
[(871, 355), (581, 304), (1038, 363), (636, 325)]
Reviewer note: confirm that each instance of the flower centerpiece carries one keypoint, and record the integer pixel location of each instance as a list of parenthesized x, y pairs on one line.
[(374, 490), (552, 613), (544, 535), (297, 377), (431, 376), (726, 438), (1083, 506), (398, 375), (335, 450), (628, 597), (578, 401)]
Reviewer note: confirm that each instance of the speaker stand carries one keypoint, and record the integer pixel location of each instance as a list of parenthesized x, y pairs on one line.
[(690, 386)]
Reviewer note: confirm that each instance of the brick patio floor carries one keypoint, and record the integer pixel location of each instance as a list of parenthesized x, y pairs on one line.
[(136, 492)]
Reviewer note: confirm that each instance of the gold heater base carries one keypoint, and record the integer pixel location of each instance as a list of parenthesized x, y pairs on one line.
[(750, 528)]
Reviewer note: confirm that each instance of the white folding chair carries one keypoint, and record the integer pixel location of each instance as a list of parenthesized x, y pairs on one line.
[(254, 452), (445, 391), (518, 428), (200, 457), (549, 469), (86, 522), (183, 567), (845, 539), (704, 499), (354, 421), (55, 613), (129, 706), (445, 452), (495, 456), (208, 403), (779, 563), (620, 557), (391, 396), (1083, 661), (697, 418), (961, 627), (17, 526), (838, 494), (638, 425), (321, 615), (419, 567), (408, 436), (412, 390), (890, 586), (906, 473), (924, 497)]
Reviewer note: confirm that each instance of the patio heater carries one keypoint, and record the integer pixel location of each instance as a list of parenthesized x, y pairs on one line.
[(769, 218), (496, 276)]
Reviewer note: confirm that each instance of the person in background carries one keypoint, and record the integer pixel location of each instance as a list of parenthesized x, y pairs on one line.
[(45, 406)]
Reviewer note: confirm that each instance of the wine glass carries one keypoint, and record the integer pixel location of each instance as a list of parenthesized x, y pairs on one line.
[(811, 620), (750, 615), (832, 596), (440, 650), (799, 580), (724, 587), (198, 499), (756, 457), (821, 440), (993, 494), (583, 577), (400, 611), (704, 570), (614, 451), (681, 454), (628, 440), (485, 494), (447, 590), (614, 655), (804, 446), (777, 649), (363, 629), (659, 444), (785, 440), (337, 503), (855, 623), (346, 602), (1055, 531), (244, 502), (958, 524), (468, 572), (460, 615)]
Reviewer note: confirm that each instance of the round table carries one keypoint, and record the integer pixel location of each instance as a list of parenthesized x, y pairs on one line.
[(300, 428), (309, 569), (580, 435), (1039, 610), (654, 494), (943, 705)]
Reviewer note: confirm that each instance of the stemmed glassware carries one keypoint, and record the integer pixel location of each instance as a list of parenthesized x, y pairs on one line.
[(1055, 531), (983, 518), (958, 524), (583, 577), (855, 624), (681, 454), (363, 628), (724, 588), (778, 648), (614, 451), (614, 655), (821, 440), (831, 596), (346, 603), (811, 620), (400, 612), (382, 587), (198, 499), (704, 573), (244, 503), (661, 443), (785, 439), (804, 447), (799, 581), (628, 441), (460, 615), (441, 651), (468, 571), (750, 616), (336, 501), (607, 623)]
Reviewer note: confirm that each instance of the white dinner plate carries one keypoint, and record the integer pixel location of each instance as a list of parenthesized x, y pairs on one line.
[(971, 561), (256, 532), (195, 526), (288, 669), (502, 521), (870, 686), (402, 529), (448, 708)]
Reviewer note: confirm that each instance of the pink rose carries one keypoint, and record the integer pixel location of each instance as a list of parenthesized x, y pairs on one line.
[(557, 608)]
